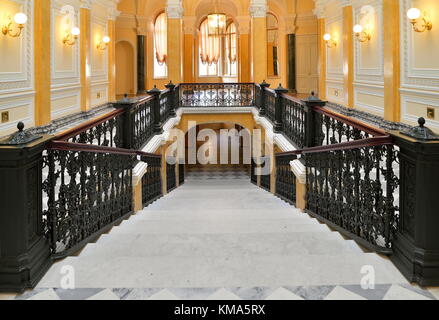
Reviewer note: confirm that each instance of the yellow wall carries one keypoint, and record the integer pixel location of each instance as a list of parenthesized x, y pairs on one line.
[(41, 80)]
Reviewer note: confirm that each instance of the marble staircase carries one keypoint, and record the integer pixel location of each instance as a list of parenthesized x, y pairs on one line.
[(221, 233)]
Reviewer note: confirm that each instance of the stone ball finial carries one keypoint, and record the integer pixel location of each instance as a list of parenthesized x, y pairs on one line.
[(421, 122), (20, 126)]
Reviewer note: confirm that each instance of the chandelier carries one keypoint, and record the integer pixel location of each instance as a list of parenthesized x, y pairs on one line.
[(217, 23)]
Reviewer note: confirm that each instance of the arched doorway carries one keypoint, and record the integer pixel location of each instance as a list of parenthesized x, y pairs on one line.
[(124, 68)]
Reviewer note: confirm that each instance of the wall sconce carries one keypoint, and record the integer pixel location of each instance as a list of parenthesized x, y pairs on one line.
[(361, 34), (71, 36), (414, 14), (330, 43), (20, 19), (103, 44)]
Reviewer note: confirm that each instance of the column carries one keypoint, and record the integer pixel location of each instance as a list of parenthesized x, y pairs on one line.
[(348, 55), (85, 55), (258, 13), (112, 54), (141, 78), (322, 59), (189, 55), (42, 32), (174, 11), (392, 104), (244, 61), (291, 52)]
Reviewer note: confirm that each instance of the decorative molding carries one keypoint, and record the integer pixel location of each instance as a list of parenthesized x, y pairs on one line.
[(412, 77), (23, 80), (371, 75), (174, 9), (258, 8)]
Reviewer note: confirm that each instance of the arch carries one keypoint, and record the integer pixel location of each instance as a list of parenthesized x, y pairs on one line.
[(125, 69)]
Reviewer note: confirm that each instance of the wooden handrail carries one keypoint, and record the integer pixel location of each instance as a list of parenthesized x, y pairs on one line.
[(356, 144), (349, 121), (81, 147), (215, 83), (88, 125)]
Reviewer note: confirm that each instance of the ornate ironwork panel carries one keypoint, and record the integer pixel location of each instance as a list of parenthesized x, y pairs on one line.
[(270, 105), (285, 179), (357, 190), (294, 122), (107, 134), (84, 193), (152, 180), (217, 95), (142, 120), (332, 131), (171, 179)]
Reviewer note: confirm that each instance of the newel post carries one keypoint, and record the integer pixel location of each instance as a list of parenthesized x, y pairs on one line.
[(279, 110), (155, 93), (125, 123), (264, 85), (171, 99), (25, 254), (416, 243), (312, 120)]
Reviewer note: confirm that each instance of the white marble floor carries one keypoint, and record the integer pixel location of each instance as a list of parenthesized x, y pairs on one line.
[(220, 237)]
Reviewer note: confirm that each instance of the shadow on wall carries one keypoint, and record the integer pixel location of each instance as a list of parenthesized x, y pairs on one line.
[(125, 68)]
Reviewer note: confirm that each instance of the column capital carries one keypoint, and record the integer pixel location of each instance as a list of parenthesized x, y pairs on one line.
[(189, 24), (113, 13), (290, 23), (243, 24), (174, 9), (85, 4), (258, 8)]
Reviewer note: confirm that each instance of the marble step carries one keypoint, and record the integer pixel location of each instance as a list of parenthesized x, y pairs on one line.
[(219, 245), (224, 204), (245, 214), (207, 272), (215, 225)]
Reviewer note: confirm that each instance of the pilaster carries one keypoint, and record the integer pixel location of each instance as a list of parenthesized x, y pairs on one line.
[(258, 13), (85, 55), (42, 32), (348, 54), (392, 62), (174, 11)]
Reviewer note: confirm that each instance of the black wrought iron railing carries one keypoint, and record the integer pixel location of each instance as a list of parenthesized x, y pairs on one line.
[(87, 189), (285, 178), (217, 94), (152, 180)]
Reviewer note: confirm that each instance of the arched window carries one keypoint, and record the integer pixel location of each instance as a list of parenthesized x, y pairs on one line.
[(210, 51), (218, 52), (272, 45), (161, 46), (231, 52)]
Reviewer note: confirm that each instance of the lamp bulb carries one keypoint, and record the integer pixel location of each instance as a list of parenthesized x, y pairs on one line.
[(414, 13), (358, 28), (20, 18), (106, 39), (327, 37), (76, 32)]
